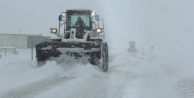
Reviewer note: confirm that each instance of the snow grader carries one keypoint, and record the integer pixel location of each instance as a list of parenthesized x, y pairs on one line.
[(83, 39)]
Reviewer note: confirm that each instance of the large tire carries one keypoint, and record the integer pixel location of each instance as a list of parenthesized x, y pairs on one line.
[(104, 55), (95, 58)]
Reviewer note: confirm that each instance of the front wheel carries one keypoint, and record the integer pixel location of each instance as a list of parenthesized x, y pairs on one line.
[(104, 55)]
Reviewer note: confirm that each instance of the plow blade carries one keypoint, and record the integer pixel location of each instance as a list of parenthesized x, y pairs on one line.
[(95, 53), (56, 50)]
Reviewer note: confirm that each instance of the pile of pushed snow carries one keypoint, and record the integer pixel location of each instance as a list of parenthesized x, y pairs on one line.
[(75, 67), (79, 70), (18, 73)]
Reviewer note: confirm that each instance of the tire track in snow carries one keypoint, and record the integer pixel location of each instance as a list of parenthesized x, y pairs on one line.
[(35, 88), (110, 86), (97, 87)]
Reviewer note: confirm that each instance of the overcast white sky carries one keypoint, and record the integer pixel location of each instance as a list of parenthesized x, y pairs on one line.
[(165, 24)]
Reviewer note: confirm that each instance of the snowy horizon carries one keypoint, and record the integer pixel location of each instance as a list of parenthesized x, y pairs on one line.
[(166, 25)]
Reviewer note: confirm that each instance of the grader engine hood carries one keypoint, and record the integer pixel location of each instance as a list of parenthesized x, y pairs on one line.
[(75, 35)]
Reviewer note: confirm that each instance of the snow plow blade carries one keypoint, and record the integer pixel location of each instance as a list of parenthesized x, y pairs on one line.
[(48, 51)]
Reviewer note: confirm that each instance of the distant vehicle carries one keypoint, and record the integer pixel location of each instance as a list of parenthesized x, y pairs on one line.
[(132, 47), (82, 38)]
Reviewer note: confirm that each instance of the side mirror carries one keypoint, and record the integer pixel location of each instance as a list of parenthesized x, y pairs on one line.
[(60, 17), (97, 17)]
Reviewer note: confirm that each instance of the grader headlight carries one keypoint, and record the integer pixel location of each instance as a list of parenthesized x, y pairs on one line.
[(99, 30), (63, 14), (53, 30), (93, 14)]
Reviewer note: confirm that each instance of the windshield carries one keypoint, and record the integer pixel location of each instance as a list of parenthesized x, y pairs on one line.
[(84, 18), (73, 17)]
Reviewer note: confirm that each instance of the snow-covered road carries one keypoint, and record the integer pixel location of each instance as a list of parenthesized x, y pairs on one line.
[(129, 76), (35, 88)]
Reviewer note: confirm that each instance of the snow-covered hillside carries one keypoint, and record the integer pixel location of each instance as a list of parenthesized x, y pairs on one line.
[(130, 75)]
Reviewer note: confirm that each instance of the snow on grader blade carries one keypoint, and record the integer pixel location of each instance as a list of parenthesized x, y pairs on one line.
[(83, 40)]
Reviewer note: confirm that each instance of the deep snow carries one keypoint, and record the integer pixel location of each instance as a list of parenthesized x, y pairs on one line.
[(130, 75)]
